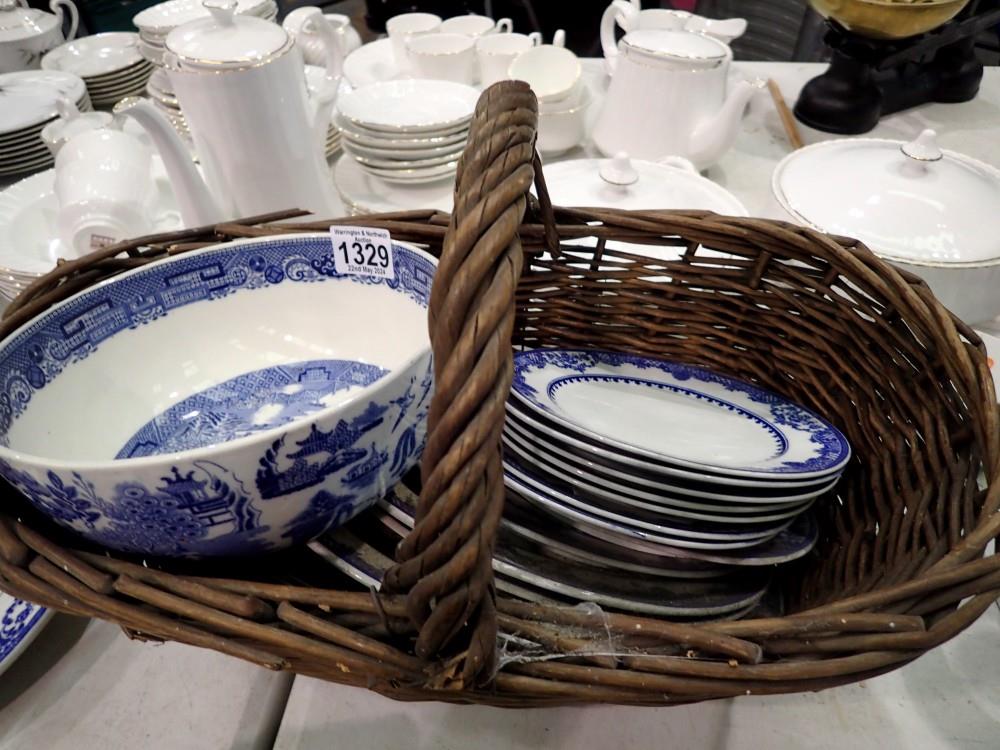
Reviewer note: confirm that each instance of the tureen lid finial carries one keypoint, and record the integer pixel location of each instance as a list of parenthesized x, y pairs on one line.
[(924, 147), (619, 170)]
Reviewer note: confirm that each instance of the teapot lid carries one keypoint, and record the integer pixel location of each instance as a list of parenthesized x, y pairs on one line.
[(689, 46), (913, 202), (18, 23), (227, 40)]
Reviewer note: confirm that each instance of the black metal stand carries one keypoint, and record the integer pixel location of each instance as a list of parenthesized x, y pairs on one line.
[(868, 79)]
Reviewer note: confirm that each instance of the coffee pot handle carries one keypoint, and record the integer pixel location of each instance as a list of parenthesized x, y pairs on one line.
[(622, 13)]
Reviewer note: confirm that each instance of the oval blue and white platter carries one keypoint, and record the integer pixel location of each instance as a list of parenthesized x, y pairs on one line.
[(679, 414)]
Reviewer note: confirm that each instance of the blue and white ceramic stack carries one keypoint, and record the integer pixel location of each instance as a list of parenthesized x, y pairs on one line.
[(625, 464), (641, 486)]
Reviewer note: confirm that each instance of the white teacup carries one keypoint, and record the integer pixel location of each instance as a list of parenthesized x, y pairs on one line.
[(444, 57), (563, 128), (476, 26), (552, 72), (102, 183), (497, 51), (406, 25)]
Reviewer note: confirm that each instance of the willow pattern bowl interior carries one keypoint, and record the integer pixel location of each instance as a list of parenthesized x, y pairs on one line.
[(232, 400)]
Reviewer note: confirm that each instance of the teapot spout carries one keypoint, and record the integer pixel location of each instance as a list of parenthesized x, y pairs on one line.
[(198, 207), (714, 137)]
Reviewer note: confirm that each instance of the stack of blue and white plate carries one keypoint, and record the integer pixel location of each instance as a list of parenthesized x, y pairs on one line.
[(625, 464), (642, 486)]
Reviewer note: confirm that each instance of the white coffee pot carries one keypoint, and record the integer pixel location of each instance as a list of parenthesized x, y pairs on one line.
[(669, 96), (27, 33), (241, 84)]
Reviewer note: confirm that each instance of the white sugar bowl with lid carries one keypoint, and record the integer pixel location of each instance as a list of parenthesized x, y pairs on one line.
[(26, 33), (669, 96), (930, 211), (241, 84)]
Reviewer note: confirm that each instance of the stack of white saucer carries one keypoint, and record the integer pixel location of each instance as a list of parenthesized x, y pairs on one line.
[(407, 131)]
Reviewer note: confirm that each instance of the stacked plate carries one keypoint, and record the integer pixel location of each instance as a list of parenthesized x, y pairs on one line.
[(407, 131), (155, 22), (110, 64), (28, 102), (632, 461)]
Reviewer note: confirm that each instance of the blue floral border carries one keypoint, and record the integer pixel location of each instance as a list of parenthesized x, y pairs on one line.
[(832, 446), (28, 618), (74, 330)]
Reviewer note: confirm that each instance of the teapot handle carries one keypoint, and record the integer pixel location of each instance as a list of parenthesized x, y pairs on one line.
[(623, 14), (56, 7)]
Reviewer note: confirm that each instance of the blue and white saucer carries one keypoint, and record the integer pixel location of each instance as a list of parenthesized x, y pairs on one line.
[(678, 414), (20, 623)]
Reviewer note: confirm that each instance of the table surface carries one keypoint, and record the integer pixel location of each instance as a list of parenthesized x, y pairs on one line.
[(83, 685)]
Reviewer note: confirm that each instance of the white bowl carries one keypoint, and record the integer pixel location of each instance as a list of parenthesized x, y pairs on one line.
[(229, 401)]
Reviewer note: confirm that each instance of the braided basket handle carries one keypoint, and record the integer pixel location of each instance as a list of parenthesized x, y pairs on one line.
[(445, 564)]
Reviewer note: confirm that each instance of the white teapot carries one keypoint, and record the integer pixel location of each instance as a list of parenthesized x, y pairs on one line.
[(28, 33), (240, 82), (629, 16), (668, 96)]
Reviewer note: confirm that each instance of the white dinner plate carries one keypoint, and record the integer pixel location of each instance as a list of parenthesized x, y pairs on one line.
[(681, 480), (683, 415), (566, 543), (96, 55), (367, 194), (451, 130), (409, 106), (407, 164), (401, 143), (551, 501), (137, 77), (418, 175), (28, 97), (700, 495), (638, 594), (20, 624), (132, 71), (29, 229), (608, 491), (404, 154)]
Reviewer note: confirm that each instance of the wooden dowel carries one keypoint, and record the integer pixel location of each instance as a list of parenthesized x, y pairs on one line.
[(787, 118)]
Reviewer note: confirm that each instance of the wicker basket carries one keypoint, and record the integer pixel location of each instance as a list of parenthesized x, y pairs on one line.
[(899, 567)]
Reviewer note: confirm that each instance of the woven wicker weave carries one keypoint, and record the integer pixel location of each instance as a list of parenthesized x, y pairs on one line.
[(899, 567)]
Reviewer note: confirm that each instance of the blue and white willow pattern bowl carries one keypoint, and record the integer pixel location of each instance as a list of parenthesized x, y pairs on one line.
[(229, 401)]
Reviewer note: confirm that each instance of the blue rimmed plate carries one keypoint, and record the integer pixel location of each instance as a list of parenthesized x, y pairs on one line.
[(678, 414), (20, 623)]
